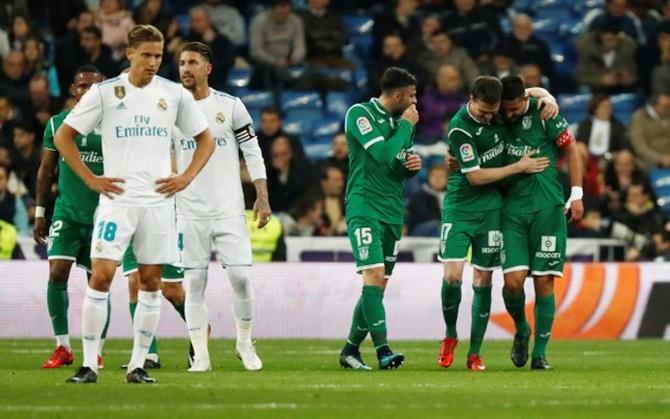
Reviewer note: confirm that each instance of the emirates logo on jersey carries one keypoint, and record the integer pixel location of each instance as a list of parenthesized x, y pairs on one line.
[(162, 104), (120, 91), (220, 118)]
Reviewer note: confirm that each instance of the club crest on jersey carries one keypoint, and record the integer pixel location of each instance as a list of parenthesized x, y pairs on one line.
[(120, 91), (98, 246), (363, 125), (526, 122), (220, 118), (363, 252), (467, 154), (162, 104)]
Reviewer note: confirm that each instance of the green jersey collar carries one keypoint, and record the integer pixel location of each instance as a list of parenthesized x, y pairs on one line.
[(379, 106)]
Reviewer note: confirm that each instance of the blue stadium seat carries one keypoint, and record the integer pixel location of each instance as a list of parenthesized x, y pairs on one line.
[(255, 98), (361, 79), (358, 24), (239, 77), (292, 99), (363, 44), (625, 104), (337, 103), (317, 148), (660, 182), (546, 28), (300, 121), (340, 73), (297, 70), (574, 106), (523, 5), (327, 127)]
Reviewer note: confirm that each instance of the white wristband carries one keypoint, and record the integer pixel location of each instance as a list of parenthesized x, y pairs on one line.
[(39, 212), (576, 193)]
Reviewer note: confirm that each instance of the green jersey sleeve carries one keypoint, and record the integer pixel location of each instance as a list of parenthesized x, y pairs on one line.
[(361, 125), (558, 130), (49, 132), (464, 149)]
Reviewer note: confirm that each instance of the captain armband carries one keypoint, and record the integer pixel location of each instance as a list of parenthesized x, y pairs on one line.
[(565, 139)]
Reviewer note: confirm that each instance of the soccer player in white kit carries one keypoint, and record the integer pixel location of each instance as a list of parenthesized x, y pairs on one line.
[(135, 114), (210, 211)]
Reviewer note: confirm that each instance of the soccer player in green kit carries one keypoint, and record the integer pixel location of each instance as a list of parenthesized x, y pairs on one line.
[(380, 136), (472, 212), (71, 228), (534, 224)]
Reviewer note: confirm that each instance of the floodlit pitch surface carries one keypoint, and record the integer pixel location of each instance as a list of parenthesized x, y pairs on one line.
[(302, 379)]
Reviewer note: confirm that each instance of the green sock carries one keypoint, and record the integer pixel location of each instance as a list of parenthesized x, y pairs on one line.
[(109, 315), (481, 307), (58, 303), (544, 319), (180, 309), (451, 299), (359, 328), (375, 316), (516, 307), (153, 348)]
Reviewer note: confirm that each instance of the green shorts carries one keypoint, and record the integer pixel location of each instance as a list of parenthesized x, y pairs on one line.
[(70, 240), (479, 229), (374, 243), (535, 242), (170, 273)]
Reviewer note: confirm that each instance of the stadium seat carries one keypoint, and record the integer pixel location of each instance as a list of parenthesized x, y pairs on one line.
[(358, 24), (255, 98), (340, 73), (317, 148), (574, 106), (301, 120), (361, 79), (326, 126), (294, 99), (363, 44), (660, 183), (239, 77), (625, 104), (337, 103)]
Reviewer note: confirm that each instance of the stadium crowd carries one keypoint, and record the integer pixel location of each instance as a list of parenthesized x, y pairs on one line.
[(299, 65)]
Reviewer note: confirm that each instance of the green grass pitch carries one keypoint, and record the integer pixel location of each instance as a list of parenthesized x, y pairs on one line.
[(302, 379)]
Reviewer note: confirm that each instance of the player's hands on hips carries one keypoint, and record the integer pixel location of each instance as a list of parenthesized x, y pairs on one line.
[(262, 212), (413, 162), (548, 107), (576, 210), (105, 185), (172, 184), (529, 164), (411, 114), (40, 230)]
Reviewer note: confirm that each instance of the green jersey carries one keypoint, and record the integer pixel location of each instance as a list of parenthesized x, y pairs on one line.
[(528, 193), (378, 145), (75, 200), (475, 145)]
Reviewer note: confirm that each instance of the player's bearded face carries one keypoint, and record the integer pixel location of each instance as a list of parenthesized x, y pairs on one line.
[(193, 69), (514, 109), (145, 59), (404, 98)]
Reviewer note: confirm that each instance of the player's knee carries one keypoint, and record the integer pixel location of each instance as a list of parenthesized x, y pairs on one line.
[(59, 270), (374, 277), (239, 280), (173, 292), (99, 282), (544, 286), (513, 286)]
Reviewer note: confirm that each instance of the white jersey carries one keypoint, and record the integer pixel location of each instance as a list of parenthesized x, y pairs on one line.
[(136, 125), (216, 192)]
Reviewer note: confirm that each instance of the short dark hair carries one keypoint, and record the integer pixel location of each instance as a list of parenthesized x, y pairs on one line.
[(25, 125), (275, 3), (487, 88), (271, 109), (198, 47), (143, 33), (93, 30), (596, 100), (87, 68), (326, 168), (396, 78), (513, 87)]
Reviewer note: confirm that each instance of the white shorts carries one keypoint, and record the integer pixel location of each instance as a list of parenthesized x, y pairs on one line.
[(227, 237), (153, 228)]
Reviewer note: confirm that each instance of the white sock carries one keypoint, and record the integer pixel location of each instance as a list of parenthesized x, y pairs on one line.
[(147, 315), (102, 344), (197, 315), (94, 317), (64, 341), (243, 301)]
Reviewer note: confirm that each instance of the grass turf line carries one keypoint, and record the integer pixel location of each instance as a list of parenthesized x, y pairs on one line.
[(302, 379)]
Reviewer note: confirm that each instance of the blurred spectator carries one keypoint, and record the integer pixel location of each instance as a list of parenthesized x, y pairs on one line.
[(152, 12), (606, 61), (339, 154), (69, 53), (637, 221), (332, 188), (326, 35), (420, 43), (7, 114), (473, 28), (394, 54), (602, 131), (645, 18), (8, 211), (13, 82), (613, 16), (439, 103), (227, 20), (401, 20), (42, 104), (501, 64), (304, 219), (267, 243), (277, 42), (443, 51), (592, 225), (593, 179), (288, 177), (25, 159), (621, 172), (271, 129), (223, 51), (662, 246), (63, 15), (21, 31), (526, 48), (660, 76), (114, 21), (98, 54), (424, 210), (532, 76), (649, 133), (4, 43), (37, 64)]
